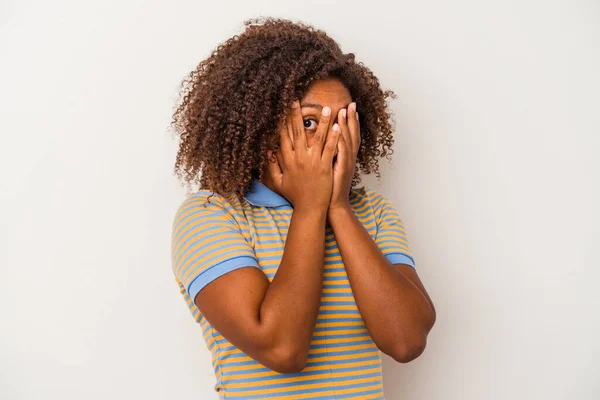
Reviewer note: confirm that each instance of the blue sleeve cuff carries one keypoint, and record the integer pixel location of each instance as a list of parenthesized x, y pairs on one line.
[(401, 258), (212, 273)]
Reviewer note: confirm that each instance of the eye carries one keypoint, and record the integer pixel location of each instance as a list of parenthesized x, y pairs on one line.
[(308, 125)]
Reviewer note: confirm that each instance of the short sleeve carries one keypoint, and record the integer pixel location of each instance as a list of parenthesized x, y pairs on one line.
[(391, 237), (207, 243)]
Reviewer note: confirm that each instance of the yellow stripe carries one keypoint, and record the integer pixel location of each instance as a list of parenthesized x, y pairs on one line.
[(302, 378), (269, 231), (342, 348), (339, 332), (341, 274), (281, 223), (341, 340), (260, 253), (264, 374), (342, 298), (320, 385), (338, 282), (334, 316), (345, 357), (333, 393), (375, 351), (337, 290)]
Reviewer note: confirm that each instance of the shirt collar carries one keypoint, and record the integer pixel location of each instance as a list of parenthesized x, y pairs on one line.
[(260, 195)]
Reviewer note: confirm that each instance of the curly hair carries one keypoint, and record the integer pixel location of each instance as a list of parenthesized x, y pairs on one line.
[(233, 102)]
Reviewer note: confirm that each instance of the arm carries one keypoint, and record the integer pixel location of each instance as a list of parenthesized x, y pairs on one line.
[(273, 323), (267, 321), (396, 308)]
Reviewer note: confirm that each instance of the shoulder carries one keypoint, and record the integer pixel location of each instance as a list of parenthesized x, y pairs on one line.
[(202, 198), (205, 204), (367, 196)]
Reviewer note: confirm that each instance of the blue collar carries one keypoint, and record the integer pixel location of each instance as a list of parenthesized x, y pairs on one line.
[(260, 195)]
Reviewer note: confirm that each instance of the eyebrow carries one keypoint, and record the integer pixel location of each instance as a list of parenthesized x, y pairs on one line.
[(311, 105), (317, 106)]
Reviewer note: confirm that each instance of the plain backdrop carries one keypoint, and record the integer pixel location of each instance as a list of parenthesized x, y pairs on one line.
[(495, 173)]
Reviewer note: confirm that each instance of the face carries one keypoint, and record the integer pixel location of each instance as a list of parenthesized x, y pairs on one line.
[(329, 92)]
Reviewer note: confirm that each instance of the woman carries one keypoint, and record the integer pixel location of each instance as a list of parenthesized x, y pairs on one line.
[(298, 279)]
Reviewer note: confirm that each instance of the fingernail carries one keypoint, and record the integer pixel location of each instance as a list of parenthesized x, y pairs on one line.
[(295, 104), (357, 115), (326, 111), (336, 127), (344, 113), (352, 106)]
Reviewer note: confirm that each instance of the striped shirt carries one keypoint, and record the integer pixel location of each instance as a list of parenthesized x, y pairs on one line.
[(343, 360)]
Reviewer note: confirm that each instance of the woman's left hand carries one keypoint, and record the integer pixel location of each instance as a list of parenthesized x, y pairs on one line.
[(345, 164)]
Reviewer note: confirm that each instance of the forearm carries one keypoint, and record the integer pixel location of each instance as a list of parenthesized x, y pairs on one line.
[(398, 315), (290, 306), (273, 322)]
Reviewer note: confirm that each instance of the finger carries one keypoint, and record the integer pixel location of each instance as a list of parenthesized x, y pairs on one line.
[(331, 144), (274, 167), (342, 154), (296, 126), (279, 160), (285, 142), (354, 126), (290, 128), (344, 150), (345, 130), (321, 133)]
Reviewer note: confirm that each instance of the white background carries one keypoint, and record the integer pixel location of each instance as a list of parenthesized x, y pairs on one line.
[(495, 173)]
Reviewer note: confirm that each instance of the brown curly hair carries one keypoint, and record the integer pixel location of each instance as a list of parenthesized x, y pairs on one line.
[(233, 102)]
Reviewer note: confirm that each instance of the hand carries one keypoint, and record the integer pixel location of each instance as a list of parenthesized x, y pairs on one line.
[(302, 174), (345, 164)]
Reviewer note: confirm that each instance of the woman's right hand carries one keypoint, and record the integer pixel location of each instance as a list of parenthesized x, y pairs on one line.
[(303, 174)]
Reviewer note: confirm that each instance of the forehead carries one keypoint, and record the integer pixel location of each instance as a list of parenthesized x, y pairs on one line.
[(328, 92)]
